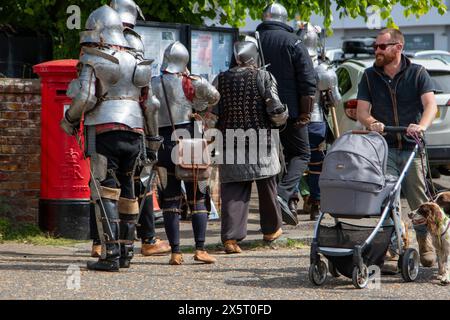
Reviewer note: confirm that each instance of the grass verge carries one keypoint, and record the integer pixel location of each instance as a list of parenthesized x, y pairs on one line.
[(30, 234)]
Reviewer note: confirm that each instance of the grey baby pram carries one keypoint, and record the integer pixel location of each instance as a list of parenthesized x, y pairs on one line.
[(354, 185)]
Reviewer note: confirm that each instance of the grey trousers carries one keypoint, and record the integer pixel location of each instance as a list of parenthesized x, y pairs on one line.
[(235, 205), (413, 186)]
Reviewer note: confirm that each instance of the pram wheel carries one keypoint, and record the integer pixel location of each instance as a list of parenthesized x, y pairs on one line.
[(318, 272), (333, 269), (408, 263), (360, 277)]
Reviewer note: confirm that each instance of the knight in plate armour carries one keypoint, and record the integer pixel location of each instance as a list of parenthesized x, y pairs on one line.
[(111, 94), (181, 95)]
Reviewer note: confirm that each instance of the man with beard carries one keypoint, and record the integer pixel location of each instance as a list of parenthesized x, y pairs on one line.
[(396, 92)]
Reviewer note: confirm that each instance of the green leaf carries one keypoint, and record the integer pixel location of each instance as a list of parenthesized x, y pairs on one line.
[(49, 16)]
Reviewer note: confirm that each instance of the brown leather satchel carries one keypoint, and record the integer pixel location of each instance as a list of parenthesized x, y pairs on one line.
[(191, 164)]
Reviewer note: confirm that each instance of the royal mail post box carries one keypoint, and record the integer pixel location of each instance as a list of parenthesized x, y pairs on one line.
[(64, 197)]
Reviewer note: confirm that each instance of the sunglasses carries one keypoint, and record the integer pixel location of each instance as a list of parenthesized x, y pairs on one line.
[(383, 46)]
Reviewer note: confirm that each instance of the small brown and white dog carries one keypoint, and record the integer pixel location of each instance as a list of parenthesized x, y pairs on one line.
[(435, 216)]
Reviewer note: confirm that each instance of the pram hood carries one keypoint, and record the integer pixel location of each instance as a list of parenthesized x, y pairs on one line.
[(356, 161)]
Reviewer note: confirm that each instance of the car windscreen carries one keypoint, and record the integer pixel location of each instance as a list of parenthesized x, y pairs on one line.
[(441, 80), (444, 57)]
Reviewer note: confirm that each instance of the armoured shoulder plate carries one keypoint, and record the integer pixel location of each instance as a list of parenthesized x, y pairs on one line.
[(143, 73), (326, 77), (134, 40), (105, 64), (327, 91), (205, 93)]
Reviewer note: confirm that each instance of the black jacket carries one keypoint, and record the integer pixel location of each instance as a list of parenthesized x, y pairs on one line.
[(396, 102), (289, 63)]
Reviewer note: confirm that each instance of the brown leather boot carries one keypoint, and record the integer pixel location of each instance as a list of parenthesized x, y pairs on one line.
[(273, 236), (176, 259), (203, 256), (96, 250), (231, 246), (306, 205), (426, 252), (159, 247)]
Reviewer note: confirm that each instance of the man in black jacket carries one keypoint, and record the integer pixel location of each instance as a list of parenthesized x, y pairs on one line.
[(397, 92), (294, 71)]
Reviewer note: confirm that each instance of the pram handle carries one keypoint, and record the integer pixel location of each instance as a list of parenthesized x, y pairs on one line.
[(395, 129), (360, 131)]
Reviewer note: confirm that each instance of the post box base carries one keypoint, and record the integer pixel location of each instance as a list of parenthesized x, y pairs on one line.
[(65, 218)]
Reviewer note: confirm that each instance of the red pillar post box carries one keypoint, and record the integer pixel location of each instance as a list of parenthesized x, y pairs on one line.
[(64, 199)]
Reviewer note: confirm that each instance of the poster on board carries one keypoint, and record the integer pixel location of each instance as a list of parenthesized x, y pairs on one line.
[(211, 52), (156, 40)]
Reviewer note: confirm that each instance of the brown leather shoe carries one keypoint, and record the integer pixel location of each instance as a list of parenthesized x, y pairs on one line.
[(203, 256), (159, 247), (273, 236), (231, 246), (176, 259), (96, 250)]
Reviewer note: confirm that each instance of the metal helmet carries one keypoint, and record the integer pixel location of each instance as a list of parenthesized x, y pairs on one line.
[(104, 26), (275, 12), (246, 53), (310, 39), (176, 58), (128, 11)]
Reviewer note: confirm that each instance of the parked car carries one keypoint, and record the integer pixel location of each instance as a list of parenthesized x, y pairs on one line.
[(352, 48), (334, 54), (437, 136), (431, 54)]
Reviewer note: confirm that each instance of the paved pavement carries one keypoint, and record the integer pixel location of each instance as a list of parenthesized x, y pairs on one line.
[(269, 272)]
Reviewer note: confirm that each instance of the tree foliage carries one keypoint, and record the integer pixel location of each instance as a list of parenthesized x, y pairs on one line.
[(50, 16)]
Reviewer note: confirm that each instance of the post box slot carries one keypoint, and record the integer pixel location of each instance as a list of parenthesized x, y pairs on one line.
[(61, 92)]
